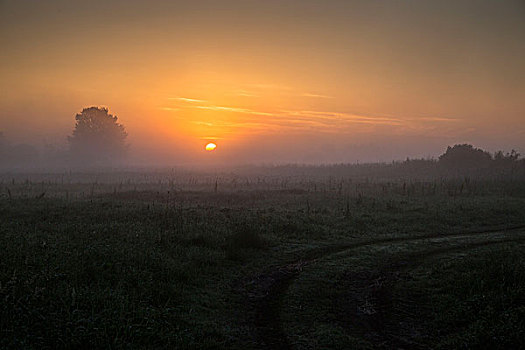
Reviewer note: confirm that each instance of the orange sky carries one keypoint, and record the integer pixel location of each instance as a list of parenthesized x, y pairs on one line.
[(269, 81)]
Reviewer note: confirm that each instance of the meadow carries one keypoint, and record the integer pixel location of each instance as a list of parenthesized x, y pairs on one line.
[(295, 258)]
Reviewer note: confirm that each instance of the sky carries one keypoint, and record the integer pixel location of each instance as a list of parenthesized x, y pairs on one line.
[(289, 81)]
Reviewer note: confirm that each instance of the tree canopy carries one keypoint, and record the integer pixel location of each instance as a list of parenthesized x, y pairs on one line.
[(97, 137), (465, 156)]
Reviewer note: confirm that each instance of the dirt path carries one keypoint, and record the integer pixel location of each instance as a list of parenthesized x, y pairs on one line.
[(377, 314), (265, 291)]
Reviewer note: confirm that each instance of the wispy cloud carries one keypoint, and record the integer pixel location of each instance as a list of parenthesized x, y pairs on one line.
[(171, 109), (184, 99), (233, 109), (198, 122), (437, 119), (338, 117), (307, 94), (307, 120), (211, 138), (245, 93), (286, 90)]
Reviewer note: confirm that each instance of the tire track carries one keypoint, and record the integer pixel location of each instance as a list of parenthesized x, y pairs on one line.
[(374, 290), (268, 288)]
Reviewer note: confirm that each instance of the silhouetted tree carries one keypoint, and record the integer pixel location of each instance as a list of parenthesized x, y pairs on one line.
[(97, 137), (465, 156), (509, 156), (502, 160)]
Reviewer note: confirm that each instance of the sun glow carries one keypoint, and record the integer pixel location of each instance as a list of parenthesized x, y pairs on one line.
[(211, 147)]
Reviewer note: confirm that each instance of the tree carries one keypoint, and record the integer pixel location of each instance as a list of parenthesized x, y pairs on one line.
[(97, 137), (503, 160), (512, 156), (465, 156)]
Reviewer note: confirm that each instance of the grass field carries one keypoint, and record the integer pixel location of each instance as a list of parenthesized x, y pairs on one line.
[(258, 262)]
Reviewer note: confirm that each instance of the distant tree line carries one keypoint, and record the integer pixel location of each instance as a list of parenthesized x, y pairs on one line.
[(458, 160)]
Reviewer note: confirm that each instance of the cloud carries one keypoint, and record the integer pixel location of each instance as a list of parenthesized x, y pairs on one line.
[(198, 122), (233, 109), (437, 119), (211, 138), (257, 121), (306, 94), (184, 99), (245, 93), (344, 117), (320, 117)]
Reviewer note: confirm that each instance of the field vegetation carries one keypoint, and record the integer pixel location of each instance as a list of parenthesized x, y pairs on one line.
[(371, 256)]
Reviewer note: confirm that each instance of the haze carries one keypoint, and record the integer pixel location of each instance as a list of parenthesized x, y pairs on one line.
[(268, 81)]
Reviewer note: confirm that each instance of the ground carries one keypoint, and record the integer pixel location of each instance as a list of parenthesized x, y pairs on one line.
[(257, 263)]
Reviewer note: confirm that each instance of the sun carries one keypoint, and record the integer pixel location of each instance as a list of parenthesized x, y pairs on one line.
[(211, 147)]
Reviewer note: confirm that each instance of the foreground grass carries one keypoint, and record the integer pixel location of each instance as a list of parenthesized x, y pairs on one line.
[(139, 270), (465, 292)]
